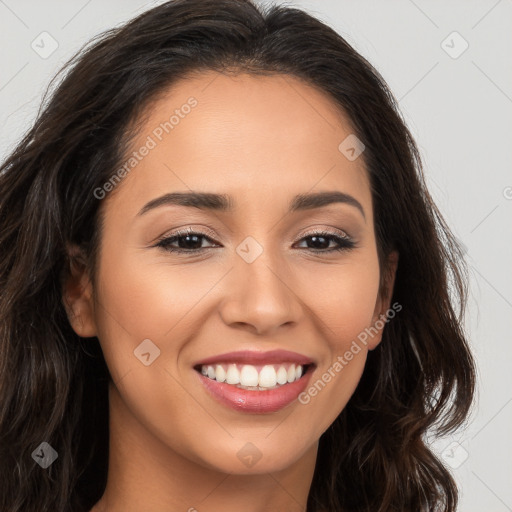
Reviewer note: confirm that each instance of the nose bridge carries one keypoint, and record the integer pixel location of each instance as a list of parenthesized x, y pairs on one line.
[(260, 292)]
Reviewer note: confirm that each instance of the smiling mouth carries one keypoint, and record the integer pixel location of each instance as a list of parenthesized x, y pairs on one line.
[(255, 377)]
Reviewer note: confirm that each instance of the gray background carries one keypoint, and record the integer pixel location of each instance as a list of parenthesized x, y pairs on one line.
[(459, 110)]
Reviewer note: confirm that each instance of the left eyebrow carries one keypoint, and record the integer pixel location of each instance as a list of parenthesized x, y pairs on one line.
[(224, 202)]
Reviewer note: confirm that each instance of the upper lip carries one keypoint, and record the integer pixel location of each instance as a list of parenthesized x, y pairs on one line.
[(256, 357)]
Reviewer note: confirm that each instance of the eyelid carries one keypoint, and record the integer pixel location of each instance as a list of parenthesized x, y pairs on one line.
[(189, 228), (330, 229), (209, 233)]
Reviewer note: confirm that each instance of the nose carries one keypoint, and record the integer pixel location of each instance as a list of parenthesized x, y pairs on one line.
[(260, 297)]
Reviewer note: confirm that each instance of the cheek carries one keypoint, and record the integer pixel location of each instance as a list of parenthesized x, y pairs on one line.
[(149, 300), (157, 301), (344, 298)]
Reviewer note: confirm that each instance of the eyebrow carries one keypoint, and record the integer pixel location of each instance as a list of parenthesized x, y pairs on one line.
[(225, 203)]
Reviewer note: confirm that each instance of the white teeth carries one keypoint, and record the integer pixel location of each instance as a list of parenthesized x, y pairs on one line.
[(220, 374), (291, 373), (282, 376), (232, 375), (268, 377), (247, 376)]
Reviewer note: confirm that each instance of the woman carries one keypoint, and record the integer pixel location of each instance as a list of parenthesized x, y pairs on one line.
[(224, 282)]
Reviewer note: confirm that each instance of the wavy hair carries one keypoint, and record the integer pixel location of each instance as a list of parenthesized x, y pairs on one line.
[(53, 384)]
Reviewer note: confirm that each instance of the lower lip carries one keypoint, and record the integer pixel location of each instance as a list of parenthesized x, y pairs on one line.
[(259, 402)]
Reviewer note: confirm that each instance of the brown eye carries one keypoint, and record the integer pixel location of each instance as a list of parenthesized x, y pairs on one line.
[(188, 241), (319, 242)]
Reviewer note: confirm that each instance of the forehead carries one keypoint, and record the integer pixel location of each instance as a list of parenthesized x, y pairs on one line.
[(251, 136)]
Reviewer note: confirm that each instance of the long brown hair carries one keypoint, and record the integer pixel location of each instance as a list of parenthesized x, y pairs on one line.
[(53, 384)]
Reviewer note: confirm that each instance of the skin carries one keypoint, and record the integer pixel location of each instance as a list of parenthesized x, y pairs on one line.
[(261, 140)]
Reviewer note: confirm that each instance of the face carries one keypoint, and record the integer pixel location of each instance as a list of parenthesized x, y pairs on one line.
[(183, 280)]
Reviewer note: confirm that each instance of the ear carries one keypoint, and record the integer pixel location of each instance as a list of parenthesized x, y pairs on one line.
[(383, 301), (77, 295)]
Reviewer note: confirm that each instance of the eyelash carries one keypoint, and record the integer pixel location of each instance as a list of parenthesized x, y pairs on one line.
[(345, 242)]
